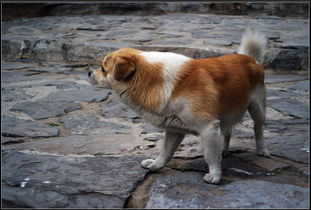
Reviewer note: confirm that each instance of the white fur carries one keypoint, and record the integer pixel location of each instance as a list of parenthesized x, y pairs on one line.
[(253, 43), (172, 66)]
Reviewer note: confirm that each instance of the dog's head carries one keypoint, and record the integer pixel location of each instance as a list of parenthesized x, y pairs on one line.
[(116, 70)]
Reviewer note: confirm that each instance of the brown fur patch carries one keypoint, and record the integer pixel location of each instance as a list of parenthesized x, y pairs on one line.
[(146, 86), (218, 86)]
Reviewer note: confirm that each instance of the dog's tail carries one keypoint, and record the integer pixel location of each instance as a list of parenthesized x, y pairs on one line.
[(253, 43)]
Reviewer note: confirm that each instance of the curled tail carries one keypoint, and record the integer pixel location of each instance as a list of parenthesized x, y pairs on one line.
[(253, 43)]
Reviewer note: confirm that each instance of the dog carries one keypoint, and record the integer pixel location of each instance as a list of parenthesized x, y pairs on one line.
[(205, 97)]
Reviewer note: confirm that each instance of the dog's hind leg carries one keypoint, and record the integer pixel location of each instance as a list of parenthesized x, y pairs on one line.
[(257, 109), (212, 141), (170, 144), (226, 130)]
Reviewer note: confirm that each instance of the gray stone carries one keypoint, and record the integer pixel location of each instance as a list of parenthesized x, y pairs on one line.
[(294, 146), (61, 102), (173, 42), (80, 123), (14, 94), (290, 107), (275, 126), (154, 138), (287, 59), (120, 33), (86, 123), (231, 165), (303, 86), (288, 126), (44, 69), (87, 94), (116, 109), (13, 76), (276, 78), (13, 127), (55, 181), (97, 36), (113, 144), (42, 109), (293, 42), (188, 190), (148, 128), (242, 134), (62, 84), (13, 65), (11, 140), (282, 93)]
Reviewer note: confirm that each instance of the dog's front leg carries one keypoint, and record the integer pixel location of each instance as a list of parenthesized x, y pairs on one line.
[(170, 144), (212, 141)]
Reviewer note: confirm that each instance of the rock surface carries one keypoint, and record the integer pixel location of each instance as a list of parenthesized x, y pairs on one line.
[(188, 190), (13, 127), (68, 144), (89, 38), (54, 181)]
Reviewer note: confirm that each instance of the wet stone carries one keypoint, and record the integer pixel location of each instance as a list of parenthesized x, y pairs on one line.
[(52, 181), (188, 190), (14, 127), (290, 107)]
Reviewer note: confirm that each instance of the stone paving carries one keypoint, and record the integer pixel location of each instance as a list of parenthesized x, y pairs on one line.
[(68, 144)]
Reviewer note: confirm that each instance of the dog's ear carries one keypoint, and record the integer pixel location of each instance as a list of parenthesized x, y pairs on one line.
[(123, 68)]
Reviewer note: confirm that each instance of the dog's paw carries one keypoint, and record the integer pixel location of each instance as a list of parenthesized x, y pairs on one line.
[(212, 179), (151, 164), (264, 152), (146, 163)]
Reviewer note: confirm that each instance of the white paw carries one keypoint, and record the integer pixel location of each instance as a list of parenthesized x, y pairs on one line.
[(264, 152), (146, 163), (212, 179), (151, 164)]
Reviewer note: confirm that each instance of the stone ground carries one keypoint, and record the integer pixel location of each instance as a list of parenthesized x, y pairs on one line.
[(68, 144)]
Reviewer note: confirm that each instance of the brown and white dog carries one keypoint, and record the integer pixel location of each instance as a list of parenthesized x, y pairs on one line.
[(205, 97)]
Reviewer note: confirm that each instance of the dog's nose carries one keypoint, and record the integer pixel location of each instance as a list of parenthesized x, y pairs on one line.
[(89, 73)]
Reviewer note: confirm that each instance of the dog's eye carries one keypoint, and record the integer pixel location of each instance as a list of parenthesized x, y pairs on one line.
[(104, 70)]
